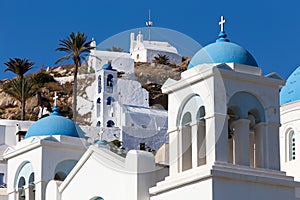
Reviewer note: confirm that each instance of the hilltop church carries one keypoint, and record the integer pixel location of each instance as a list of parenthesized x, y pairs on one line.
[(230, 134)]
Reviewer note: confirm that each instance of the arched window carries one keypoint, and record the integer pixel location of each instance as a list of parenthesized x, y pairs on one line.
[(186, 139), (63, 168), (246, 117), (21, 189), (31, 187), (109, 81), (231, 118), (24, 177), (109, 100), (21, 182), (110, 123), (98, 107), (60, 176), (292, 145), (99, 84), (201, 136), (98, 123), (31, 178), (1, 178), (191, 133)]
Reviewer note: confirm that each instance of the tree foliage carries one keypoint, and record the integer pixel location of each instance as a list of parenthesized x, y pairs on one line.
[(161, 59), (19, 67), (41, 78), (14, 89), (77, 49)]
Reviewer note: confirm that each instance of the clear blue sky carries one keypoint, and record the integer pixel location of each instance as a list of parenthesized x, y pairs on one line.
[(269, 30)]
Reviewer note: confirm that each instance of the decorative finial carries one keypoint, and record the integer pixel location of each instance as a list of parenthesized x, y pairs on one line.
[(55, 111), (222, 23), (222, 37), (55, 99)]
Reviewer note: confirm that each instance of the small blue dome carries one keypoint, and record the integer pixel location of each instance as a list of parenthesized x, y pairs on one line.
[(291, 91), (54, 124), (102, 142), (222, 51), (107, 67)]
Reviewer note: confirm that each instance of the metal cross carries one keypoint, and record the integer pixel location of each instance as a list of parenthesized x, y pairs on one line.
[(222, 23), (55, 98)]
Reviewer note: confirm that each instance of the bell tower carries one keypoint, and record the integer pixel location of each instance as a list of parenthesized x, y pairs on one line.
[(105, 95), (223, 125)]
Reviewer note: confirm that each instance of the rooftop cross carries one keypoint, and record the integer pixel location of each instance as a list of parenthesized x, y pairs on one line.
[(222, 23), (55, 98)]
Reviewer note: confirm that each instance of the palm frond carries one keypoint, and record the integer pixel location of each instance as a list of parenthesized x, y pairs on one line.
[(19, 66), (64, 58)]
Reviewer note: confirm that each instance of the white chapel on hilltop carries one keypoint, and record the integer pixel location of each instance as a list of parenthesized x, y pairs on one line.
[(146, 50), (141, 50), (223, 129)]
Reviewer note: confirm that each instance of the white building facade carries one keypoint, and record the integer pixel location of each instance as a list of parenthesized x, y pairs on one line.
[(223, 140), (146, 50), (123, 113)]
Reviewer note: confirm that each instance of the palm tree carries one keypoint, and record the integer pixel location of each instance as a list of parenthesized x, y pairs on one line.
[(161, 59), (77, 49), (20, 67), (20, 89)]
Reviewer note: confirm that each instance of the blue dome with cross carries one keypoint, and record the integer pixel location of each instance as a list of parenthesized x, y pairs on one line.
[(222, 51), (291, 91), (54, 124)]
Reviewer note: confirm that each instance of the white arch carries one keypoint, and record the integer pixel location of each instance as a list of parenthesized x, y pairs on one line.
[(192, 105), (25, 170), (63, 168)]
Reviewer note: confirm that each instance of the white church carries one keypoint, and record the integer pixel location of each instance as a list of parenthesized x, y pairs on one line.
[(231, 134)]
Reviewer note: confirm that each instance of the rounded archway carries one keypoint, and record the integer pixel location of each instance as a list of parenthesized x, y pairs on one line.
[(191, 123), (245, 113), (24, 180), (63, 168)]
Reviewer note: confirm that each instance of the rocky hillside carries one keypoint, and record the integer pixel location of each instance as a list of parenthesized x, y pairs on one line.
[(150, 75), (10, 107)]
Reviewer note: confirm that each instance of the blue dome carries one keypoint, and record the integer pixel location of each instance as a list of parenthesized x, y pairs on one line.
[(222, 51), (107, 67), (291, 91), (55, 124)]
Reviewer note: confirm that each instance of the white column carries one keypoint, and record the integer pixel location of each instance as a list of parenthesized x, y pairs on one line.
[(261, 145), (174, 143), (274, 147), (194, 145), (201, 144), (221, 138), (252, 149), (242, 141), (210, 141), (27, 193), (19, 193), (216, 134)]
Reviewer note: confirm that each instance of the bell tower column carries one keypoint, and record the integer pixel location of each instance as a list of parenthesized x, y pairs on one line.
[(242, 141)]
